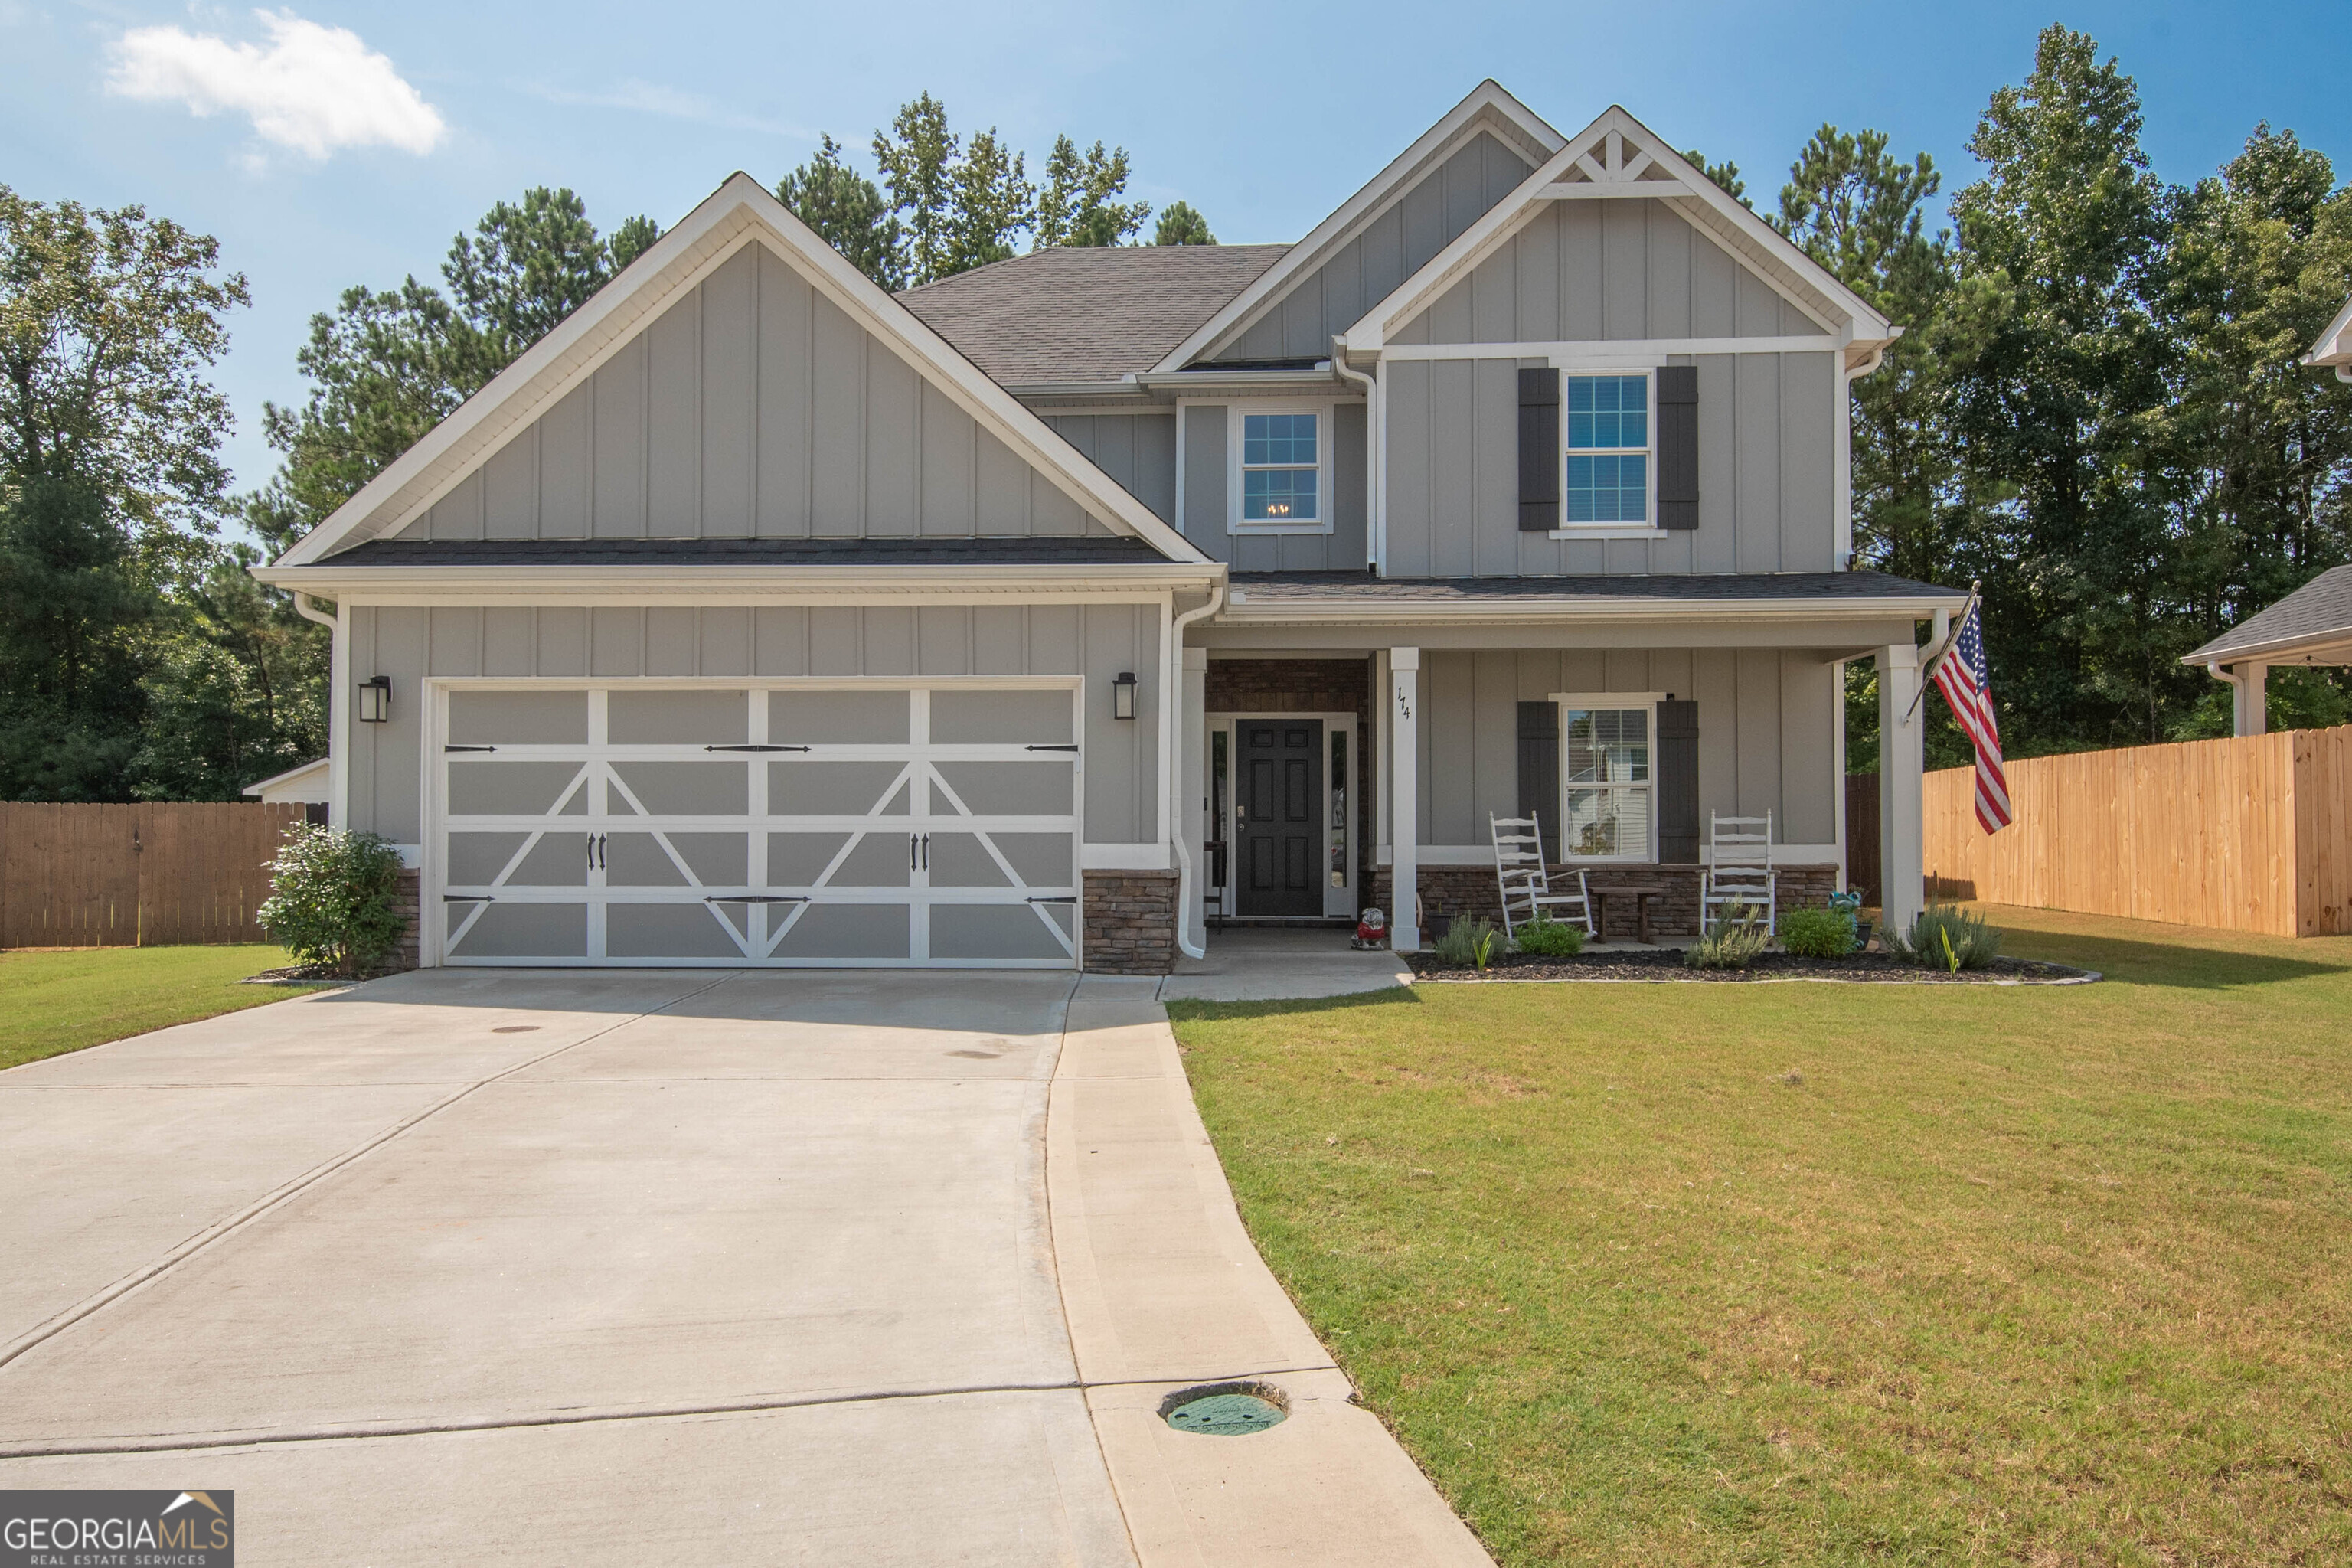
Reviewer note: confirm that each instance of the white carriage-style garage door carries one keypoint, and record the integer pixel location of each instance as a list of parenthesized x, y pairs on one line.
[(807, 824)]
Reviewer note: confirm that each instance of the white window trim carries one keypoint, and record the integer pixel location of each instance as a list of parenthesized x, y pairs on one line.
[(1564, 700), (1646, 366), (1324, 502)]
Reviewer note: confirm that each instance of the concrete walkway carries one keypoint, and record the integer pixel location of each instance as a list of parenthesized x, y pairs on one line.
[(1275, 964), (619, 1267)]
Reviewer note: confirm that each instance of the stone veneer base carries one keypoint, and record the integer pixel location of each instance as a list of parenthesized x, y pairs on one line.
[(1128, 921), (1470, 892)]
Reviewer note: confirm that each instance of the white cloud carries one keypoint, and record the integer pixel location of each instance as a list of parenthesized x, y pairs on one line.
[(311, 88)]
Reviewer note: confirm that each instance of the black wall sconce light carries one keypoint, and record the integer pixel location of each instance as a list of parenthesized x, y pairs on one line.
[(376, 700), (1123, 695)]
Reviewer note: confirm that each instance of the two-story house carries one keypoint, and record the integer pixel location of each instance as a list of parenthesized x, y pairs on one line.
[(755, 617)]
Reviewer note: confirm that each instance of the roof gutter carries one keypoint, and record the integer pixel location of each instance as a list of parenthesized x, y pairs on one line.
[(618, 584), (1241, 609), (1215, 380), (2337, 642)]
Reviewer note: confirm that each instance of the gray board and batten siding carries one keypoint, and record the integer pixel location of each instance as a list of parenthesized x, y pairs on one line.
[(1617, 272), (598, 643), (1765, 740), (1394, 245), (752, 406), (1139, 450)]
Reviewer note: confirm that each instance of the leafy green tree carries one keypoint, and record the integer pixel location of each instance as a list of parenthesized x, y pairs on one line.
[(388, 365), (2059, 399), (238, 691), (1726, 174), (108, 321), (848, 211), (994, 201), (1078, 203), (917, 159), (78, 624), (2261, 260), (1181, 225)]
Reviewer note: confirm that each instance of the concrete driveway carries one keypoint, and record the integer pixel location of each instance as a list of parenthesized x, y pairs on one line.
[(610, 1266)]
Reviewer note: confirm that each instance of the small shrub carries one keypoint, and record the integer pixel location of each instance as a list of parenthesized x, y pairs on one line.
[(1467, 944), (1942, 937), (1738, 936), (330, 900), (1817, 934), (1549, 939)]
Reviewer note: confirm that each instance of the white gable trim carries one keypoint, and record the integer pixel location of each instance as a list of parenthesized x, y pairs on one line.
[(1593, 162), (1487, 105), (740, 212), (2335, 344)]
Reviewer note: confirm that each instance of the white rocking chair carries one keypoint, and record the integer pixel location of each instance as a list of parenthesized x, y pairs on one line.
[(1526, 884), (1740, 869)]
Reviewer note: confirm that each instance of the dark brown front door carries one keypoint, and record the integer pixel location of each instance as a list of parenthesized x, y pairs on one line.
[(1278, 816)]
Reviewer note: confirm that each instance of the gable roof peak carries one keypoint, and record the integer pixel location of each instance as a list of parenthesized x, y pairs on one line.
[(740, 211)]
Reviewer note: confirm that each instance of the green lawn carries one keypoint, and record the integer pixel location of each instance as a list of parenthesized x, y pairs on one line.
[(1829, 1274), (54, 1002)]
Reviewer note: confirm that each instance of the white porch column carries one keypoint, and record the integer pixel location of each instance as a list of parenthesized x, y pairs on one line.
[(1901, 849), (1192, 791), (2248, 702), (1404, 798)]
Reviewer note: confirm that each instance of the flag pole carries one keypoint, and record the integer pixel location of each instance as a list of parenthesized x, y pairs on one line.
[(1928, 670)]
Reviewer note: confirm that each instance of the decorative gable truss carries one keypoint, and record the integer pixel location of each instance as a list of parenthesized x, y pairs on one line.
[(1619, 158), (712, 243)]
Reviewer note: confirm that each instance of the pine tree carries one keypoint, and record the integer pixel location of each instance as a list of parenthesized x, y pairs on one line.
[(848, 211), (1179, 224), (1077, 205)]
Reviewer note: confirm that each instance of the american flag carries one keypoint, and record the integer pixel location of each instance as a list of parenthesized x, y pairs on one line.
[(1960, 675)]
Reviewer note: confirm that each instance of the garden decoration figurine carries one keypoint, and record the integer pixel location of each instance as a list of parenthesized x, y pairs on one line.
[(1849, 904), (1371, 930)]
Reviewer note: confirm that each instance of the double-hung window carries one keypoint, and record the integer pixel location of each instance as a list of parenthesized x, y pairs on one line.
[(1608, 427), (1605, 777), (1281, 484)]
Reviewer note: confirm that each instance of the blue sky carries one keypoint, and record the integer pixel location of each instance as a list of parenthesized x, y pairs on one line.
[(325, 161)]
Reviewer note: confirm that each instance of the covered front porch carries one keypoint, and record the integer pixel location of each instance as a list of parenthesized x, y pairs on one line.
[(1344, 766)]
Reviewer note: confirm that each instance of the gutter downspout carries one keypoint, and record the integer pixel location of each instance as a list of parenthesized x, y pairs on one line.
[(1175, 763), (338, 672), (1371, 445)]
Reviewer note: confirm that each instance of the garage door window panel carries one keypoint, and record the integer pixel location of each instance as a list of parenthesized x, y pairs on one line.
[(840, 717), (678, 719), (997, 718)]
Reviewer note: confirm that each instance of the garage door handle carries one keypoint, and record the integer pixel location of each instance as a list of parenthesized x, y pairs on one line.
[(469, 748), (468, 898), (755, 899), (756, 747), (1063, 899), (1055, 748)]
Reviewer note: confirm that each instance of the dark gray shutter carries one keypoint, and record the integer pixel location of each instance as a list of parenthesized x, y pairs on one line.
[(1538, 450), (1677, 446), (1677, 783), (1539, 770)]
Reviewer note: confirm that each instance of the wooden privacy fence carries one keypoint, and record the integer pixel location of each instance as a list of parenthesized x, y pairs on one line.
[(2248, 834), (159, 875)]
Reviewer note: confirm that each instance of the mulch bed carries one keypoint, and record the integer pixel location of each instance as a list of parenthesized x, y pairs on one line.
[(1666, 964), (310, 974)]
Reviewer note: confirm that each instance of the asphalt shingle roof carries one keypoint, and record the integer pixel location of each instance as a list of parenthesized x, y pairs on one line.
[(1085, 314), (2314, 616)]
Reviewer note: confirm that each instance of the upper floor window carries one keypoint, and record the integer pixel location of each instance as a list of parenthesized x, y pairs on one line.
[(1608, 429), (1281, 472)]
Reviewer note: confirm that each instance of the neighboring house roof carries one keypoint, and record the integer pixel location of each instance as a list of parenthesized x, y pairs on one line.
[(1618, 157), (2335, 345), (1088, 550), (1083, 315), (2310, 626), (740, 212), (290, 778)]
